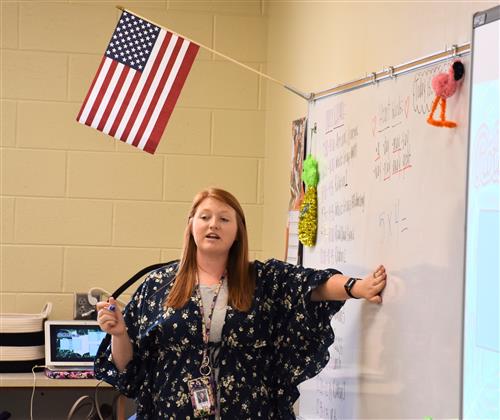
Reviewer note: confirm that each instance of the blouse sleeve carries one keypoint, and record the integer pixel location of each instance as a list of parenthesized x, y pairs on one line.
[(128, 380), (303, 331)]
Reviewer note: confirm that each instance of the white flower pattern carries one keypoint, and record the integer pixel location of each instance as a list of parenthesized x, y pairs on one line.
[(265, 353)]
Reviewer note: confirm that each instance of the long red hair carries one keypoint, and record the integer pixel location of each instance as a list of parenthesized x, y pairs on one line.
[(241, 282)]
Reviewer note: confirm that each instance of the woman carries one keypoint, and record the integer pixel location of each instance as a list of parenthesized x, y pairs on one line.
[(214, 327)]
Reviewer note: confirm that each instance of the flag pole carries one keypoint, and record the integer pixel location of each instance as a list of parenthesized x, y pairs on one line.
[(306, 96)]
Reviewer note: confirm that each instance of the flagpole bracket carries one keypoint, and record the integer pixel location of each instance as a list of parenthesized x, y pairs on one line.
[(306, 96)]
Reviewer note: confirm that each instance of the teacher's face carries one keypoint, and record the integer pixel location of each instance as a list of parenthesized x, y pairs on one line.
[(214, 227)]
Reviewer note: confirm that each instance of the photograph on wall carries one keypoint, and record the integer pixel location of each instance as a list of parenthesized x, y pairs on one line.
[(298, 148), (293, 250)]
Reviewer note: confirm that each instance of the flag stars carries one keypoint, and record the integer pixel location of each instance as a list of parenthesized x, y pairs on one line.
[(132, 41)]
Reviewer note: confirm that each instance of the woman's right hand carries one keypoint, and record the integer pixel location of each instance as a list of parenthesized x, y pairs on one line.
[(372, 285), (110, 318)]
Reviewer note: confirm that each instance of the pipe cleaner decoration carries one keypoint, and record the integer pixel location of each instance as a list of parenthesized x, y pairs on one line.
[(445, 85), (308, 217)]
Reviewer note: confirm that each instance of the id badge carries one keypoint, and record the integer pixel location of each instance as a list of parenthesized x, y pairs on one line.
[(202, 396)]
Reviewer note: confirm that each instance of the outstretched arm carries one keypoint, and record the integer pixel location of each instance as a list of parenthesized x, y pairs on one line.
[(368, 288)]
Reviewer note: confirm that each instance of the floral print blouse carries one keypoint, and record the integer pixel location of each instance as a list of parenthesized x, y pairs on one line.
[(264, 355)]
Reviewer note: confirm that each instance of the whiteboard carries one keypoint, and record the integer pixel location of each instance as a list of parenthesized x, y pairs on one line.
[(392, 191)]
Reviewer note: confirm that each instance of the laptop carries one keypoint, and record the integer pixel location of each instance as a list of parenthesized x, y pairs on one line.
[(70, 348)]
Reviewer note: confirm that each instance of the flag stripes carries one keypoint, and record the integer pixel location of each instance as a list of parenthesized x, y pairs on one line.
[(167, 89), (94, 90), (142, 86), (114, 98), (128, 96), (133, 105), (117, 69), (110, 70)]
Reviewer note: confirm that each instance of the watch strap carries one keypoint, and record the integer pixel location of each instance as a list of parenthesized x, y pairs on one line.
[(349, 285)]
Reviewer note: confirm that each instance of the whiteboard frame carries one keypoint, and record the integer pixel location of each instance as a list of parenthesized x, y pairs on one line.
[(490, 15)]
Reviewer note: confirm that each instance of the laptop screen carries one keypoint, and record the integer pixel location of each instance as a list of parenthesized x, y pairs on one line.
[(72, 343)]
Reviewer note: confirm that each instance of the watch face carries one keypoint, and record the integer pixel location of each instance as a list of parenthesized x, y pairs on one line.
[(349, 285)]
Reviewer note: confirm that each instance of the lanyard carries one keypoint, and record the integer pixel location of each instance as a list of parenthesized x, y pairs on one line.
[(205, 368)]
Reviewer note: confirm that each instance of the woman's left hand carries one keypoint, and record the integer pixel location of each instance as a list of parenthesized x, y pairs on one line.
[(371, 286)]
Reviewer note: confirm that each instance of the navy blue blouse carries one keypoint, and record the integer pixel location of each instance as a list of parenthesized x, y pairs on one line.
[(265, 353)]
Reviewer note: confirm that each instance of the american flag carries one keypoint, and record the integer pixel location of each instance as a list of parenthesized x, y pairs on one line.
[(138, 82)]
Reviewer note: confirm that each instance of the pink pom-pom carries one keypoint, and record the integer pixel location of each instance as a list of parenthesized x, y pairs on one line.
[(445, 84)]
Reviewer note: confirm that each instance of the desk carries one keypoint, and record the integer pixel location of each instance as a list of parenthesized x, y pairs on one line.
[(53, 397), (23, 380)]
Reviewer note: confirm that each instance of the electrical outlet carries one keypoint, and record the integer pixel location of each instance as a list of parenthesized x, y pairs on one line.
[(82, 308)]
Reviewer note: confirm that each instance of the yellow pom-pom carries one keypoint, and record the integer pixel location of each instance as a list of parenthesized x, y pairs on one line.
[(308, 218)]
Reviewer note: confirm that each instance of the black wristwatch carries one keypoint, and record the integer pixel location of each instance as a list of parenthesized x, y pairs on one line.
[(349, 285)]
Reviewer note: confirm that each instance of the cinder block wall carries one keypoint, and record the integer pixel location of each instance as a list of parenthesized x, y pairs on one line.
[(80, 209)]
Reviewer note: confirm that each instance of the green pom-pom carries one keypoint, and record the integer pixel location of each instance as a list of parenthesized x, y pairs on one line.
[(310, 174)]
